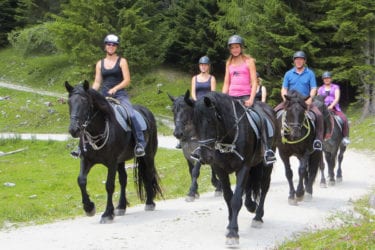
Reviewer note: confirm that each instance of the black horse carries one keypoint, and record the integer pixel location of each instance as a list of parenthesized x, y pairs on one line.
[(184, 131), (104, 141), (229, 142), (297, 136), (332, 145)]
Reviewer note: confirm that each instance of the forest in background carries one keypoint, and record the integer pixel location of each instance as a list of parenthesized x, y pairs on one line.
[(337, 35)]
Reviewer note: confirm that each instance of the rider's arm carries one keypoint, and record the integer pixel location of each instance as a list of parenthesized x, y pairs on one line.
[(98, 76)]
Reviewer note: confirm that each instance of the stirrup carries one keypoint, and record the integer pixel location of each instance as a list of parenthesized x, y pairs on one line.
[(269, 157), (76, 153), (345, 141), (139, 150), (317, 145)]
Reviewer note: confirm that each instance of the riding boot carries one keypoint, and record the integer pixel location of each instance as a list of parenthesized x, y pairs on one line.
[(269, 155), (140, 143), (317, 144), (76, 153)]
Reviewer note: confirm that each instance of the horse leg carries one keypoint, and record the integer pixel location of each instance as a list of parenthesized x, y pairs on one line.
[(323, 183), (216, 183), (313, 165), (194, 170), (123, 179), (330, 158), (88, 205), (303, 177), (289, 177), (236, 204), (340, 158), (265, 177), (109, 214)]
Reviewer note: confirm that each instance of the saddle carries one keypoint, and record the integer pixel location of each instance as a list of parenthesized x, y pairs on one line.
[(255, 122), (340, 124), (123, 117)]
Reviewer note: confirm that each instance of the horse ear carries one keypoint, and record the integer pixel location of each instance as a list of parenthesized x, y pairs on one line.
[(188, 100), (207, 101), (68, 87), (86, 85), (171, 97)]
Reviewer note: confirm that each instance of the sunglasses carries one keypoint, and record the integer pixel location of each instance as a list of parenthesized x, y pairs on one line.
[(111, 44)]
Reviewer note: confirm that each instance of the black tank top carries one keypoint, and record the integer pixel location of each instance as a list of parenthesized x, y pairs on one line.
[(111, 77)]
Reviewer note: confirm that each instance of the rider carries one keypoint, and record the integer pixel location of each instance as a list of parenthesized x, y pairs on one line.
[(112, 76), (331, 92), (240, 82), (302, 79)]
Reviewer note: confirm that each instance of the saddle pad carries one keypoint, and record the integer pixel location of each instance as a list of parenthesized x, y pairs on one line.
[(122, 117), (254, 120)]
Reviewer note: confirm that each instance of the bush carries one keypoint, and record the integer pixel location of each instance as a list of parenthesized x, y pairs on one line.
[(35, 40)]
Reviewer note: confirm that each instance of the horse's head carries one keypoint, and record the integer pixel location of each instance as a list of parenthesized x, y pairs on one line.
[(211, 119), (183, 116), (80, 105), (295, 116)]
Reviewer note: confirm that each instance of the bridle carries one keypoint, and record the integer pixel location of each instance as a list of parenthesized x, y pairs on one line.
[(218, 144), (285, 128), (86, 136)]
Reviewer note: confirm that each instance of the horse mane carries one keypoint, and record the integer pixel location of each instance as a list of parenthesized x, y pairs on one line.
[(101, 103), (222, 103), (293, 97)]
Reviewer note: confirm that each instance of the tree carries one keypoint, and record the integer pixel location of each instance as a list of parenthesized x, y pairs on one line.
[(191, 34), (7, 19), (350, 46)]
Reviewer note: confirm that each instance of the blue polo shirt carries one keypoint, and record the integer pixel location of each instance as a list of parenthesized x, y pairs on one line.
[(302, 83)]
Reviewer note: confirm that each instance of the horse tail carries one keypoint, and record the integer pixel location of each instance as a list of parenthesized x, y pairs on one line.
[(145, 174)]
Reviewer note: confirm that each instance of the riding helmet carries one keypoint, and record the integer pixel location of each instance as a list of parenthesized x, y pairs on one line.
[(204, 60), (111, 38), (299, 54), (326, 74), (235, 39)]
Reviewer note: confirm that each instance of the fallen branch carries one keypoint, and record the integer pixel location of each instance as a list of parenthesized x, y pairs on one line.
[(12, 152)]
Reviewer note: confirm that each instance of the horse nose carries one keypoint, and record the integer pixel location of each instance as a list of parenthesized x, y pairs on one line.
[(74, 131), (178, 134)]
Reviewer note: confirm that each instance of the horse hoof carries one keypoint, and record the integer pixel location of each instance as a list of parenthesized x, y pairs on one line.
[(307, 197), (339, 179), (292, 202), (323, 185), (256, 224), (190, 198), (218, 194), (232, 242), (119, 212), (150, 207), (91, 213), (106, 220), (299, 198), (331, 183)]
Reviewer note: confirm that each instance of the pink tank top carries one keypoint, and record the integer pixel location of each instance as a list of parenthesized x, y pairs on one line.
[(239, 80)]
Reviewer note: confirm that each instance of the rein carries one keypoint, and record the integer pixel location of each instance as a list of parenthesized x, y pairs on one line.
[(285, 130), (93, 140), (226, 148)]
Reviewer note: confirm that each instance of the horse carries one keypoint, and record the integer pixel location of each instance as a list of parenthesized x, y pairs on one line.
[(332, 145), (297, 130), (229, 142), (184, 131), (103, 140)]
